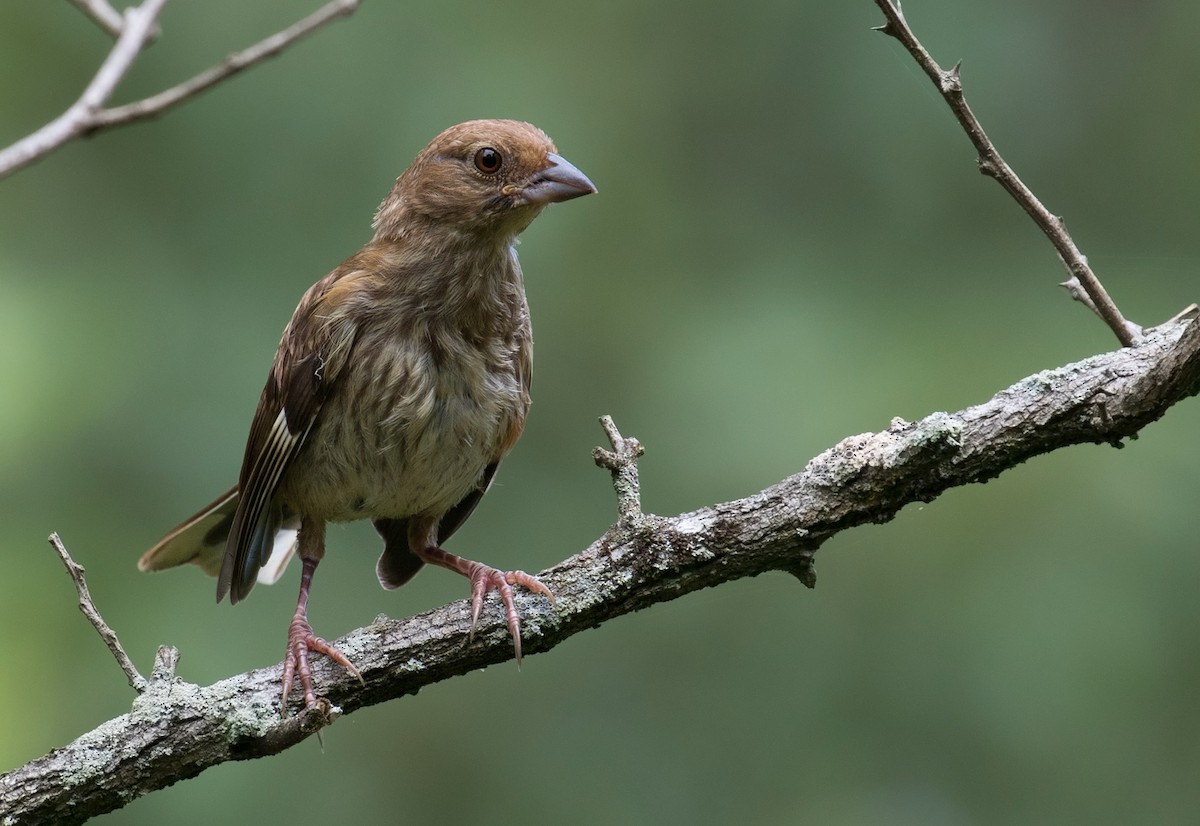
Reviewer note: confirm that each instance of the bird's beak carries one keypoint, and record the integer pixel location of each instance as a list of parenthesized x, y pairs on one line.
[(560, 181)]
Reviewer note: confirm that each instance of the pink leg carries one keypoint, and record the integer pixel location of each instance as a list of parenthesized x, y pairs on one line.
[(301, 639), (422, 540)]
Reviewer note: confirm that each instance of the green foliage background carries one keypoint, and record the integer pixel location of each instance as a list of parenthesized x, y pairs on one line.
[(790, 245)]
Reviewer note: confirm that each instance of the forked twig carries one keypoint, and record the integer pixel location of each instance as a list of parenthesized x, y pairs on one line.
[(622, 461), (231, 65), (88, 114), (108, 18)]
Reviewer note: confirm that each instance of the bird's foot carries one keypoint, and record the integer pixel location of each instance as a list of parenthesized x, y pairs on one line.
[(301, 641), (485, 578)]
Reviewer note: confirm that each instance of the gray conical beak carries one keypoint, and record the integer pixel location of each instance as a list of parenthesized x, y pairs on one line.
[(560, 181)]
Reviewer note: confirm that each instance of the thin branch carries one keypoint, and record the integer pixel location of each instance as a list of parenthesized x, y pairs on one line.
[(138, 22), (88, 607), (88, 115), (75, 121), (108, 18), (949, 84), (176, 729), (231, 65)]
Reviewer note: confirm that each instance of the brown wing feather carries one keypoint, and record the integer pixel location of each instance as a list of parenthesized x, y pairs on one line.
[(311, 353)]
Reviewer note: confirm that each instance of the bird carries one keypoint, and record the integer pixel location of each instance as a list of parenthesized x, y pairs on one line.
[(400, 383)]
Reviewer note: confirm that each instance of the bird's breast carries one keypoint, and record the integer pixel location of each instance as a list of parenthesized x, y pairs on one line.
[(411, 426)]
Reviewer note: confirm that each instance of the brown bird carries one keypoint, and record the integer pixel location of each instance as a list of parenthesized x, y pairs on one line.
[(400, 383)]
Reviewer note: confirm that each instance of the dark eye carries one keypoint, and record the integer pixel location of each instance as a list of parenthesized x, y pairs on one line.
[(488, 160)]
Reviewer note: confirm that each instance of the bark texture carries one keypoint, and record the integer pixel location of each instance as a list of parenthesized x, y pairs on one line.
[(176, 729)]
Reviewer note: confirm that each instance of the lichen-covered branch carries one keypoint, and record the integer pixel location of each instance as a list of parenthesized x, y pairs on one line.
[(176, 729), (622, 462)]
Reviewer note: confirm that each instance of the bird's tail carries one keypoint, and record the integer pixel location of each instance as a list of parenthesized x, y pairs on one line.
[(200, 539)]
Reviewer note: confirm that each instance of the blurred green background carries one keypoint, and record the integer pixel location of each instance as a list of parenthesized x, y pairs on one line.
[(790, 245)]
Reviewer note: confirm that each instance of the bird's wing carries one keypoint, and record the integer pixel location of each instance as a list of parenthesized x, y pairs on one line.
[(458, 514), (314, 348)]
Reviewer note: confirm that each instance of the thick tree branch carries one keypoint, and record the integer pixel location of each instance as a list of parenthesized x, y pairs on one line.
[(88, 114), (175, 729), (1082, 282)]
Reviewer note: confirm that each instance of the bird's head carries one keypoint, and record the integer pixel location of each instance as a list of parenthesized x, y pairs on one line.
[(481, 177)]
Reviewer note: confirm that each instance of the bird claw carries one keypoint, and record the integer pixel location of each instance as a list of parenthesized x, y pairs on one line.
[(485, 578), (302, 640)]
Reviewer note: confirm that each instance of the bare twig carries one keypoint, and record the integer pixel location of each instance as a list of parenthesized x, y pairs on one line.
[(1188, 313), (231, 65), (622, 461), (88, 607), (87, 115), (177, 729), (76, 120), (108, 18), (949, 84)]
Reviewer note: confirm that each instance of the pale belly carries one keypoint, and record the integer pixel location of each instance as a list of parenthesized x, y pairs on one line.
[(419, 448)]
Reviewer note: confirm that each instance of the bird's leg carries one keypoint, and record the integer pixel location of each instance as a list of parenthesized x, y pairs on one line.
[(301, 639), (422, 539)]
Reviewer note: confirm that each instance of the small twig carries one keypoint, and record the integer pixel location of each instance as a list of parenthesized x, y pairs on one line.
[(622, 461), (88, 607), (1072, 286), (231, 65), (87, 115), (75, 121), (109, 19), (166, 660), (949, 84), (1188, 313)]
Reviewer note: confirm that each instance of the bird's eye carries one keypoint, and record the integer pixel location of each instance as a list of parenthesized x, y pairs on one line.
[(488, 160)]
